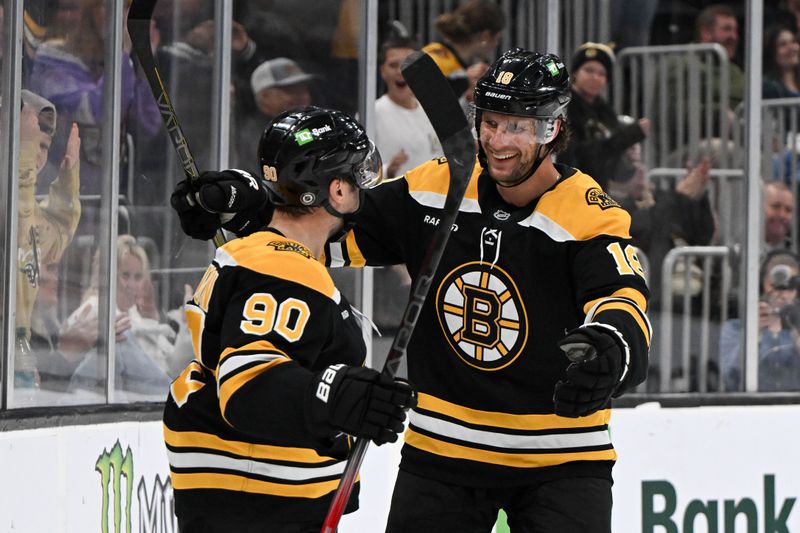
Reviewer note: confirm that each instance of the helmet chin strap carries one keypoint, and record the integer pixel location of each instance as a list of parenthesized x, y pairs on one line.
[(534, 167), (348, 219)]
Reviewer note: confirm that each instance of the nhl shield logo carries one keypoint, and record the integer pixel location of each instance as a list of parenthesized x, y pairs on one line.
[(482, 315), (596, 196)]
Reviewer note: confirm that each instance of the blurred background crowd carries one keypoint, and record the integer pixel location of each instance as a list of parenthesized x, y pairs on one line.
[(657, 118)]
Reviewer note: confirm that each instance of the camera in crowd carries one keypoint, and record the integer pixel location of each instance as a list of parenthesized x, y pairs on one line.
[(782, 278)]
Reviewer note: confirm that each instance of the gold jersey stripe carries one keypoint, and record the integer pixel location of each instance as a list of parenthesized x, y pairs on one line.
[(354, 253), (514, 460), (628, 292), (510, 421), (181, 481), (198, 439), (230, 386), (631, 310)]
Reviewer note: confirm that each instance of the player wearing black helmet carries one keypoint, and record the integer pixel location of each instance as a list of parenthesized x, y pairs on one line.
[(258, 424), (535, 320)]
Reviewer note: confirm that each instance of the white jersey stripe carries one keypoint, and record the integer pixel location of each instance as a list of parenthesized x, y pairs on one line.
[(336, 254), (234, 362), (504, 440), (436, 200), (248, 466), (548, 226)]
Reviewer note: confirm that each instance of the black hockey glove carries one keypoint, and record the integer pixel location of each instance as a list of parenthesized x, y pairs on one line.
[(360, 402), (231, 199), (593, 375)]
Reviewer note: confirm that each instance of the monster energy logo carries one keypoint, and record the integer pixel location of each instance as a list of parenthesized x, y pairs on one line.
[(114, 464), (156, 510)]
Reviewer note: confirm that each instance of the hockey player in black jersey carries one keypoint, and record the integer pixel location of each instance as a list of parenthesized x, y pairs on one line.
[(536, 318), (257, 427)]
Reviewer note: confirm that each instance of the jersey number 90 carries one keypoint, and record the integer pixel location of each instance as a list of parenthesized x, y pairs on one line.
[(262, 314)]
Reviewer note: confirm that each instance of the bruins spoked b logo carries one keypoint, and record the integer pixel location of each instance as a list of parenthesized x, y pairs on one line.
[(482, 315)]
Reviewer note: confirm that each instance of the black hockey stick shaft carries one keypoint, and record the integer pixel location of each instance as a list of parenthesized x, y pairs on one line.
[(139, 16), (441, 105)]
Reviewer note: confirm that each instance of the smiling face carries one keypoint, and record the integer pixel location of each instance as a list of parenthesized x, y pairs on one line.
[(396, 86), (724, 31), (510, 145), (787, 51)]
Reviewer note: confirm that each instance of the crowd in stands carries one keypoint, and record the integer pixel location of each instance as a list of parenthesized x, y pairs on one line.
[(288, 54)]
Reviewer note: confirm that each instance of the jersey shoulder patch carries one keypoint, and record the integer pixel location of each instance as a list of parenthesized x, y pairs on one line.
[(272, 254), (584, 210)]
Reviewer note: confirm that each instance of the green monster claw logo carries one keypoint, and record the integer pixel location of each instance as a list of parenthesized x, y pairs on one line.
[(551, 66), (118, 465), (155, 507), (303, 137)]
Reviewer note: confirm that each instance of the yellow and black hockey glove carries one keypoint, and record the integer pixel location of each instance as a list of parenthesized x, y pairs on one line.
[(360, 402), (594, 373)]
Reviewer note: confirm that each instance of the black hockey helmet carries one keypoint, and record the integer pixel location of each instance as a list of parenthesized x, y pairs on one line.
[(528, 84), (525, 83), (302, 150)]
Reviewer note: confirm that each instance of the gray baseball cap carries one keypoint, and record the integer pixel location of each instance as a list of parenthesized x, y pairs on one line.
[(43, 107), (278, 72)]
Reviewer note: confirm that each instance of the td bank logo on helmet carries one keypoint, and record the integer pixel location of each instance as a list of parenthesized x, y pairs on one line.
[(307, 135)]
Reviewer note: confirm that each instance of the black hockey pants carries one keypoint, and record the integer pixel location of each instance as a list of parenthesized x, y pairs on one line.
[(571, 505)]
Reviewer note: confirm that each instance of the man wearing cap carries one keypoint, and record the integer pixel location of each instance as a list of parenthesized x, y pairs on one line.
[(278, 84), (599, 138), (46, 227)]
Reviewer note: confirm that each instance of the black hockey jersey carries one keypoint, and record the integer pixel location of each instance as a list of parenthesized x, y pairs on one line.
[(263, 319), (484, 353)]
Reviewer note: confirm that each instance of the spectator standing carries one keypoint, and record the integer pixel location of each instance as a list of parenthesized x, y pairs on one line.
[(469, 37), (278, 85), (600, 139), (781, 63), (46, 227), (403, 133), (778, 326)]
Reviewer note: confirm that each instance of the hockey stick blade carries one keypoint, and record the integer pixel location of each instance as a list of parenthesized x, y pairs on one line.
[(139, 16), (441, 105)]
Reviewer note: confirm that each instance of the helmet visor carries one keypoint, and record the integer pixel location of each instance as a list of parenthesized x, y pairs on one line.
[(369, 173), (524, 128)]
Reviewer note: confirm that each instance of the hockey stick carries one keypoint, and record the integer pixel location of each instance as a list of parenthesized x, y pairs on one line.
[(139, 16), (441, 105)]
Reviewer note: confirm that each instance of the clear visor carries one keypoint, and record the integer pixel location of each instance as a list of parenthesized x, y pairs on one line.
[(532, 129), (369, 173)]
